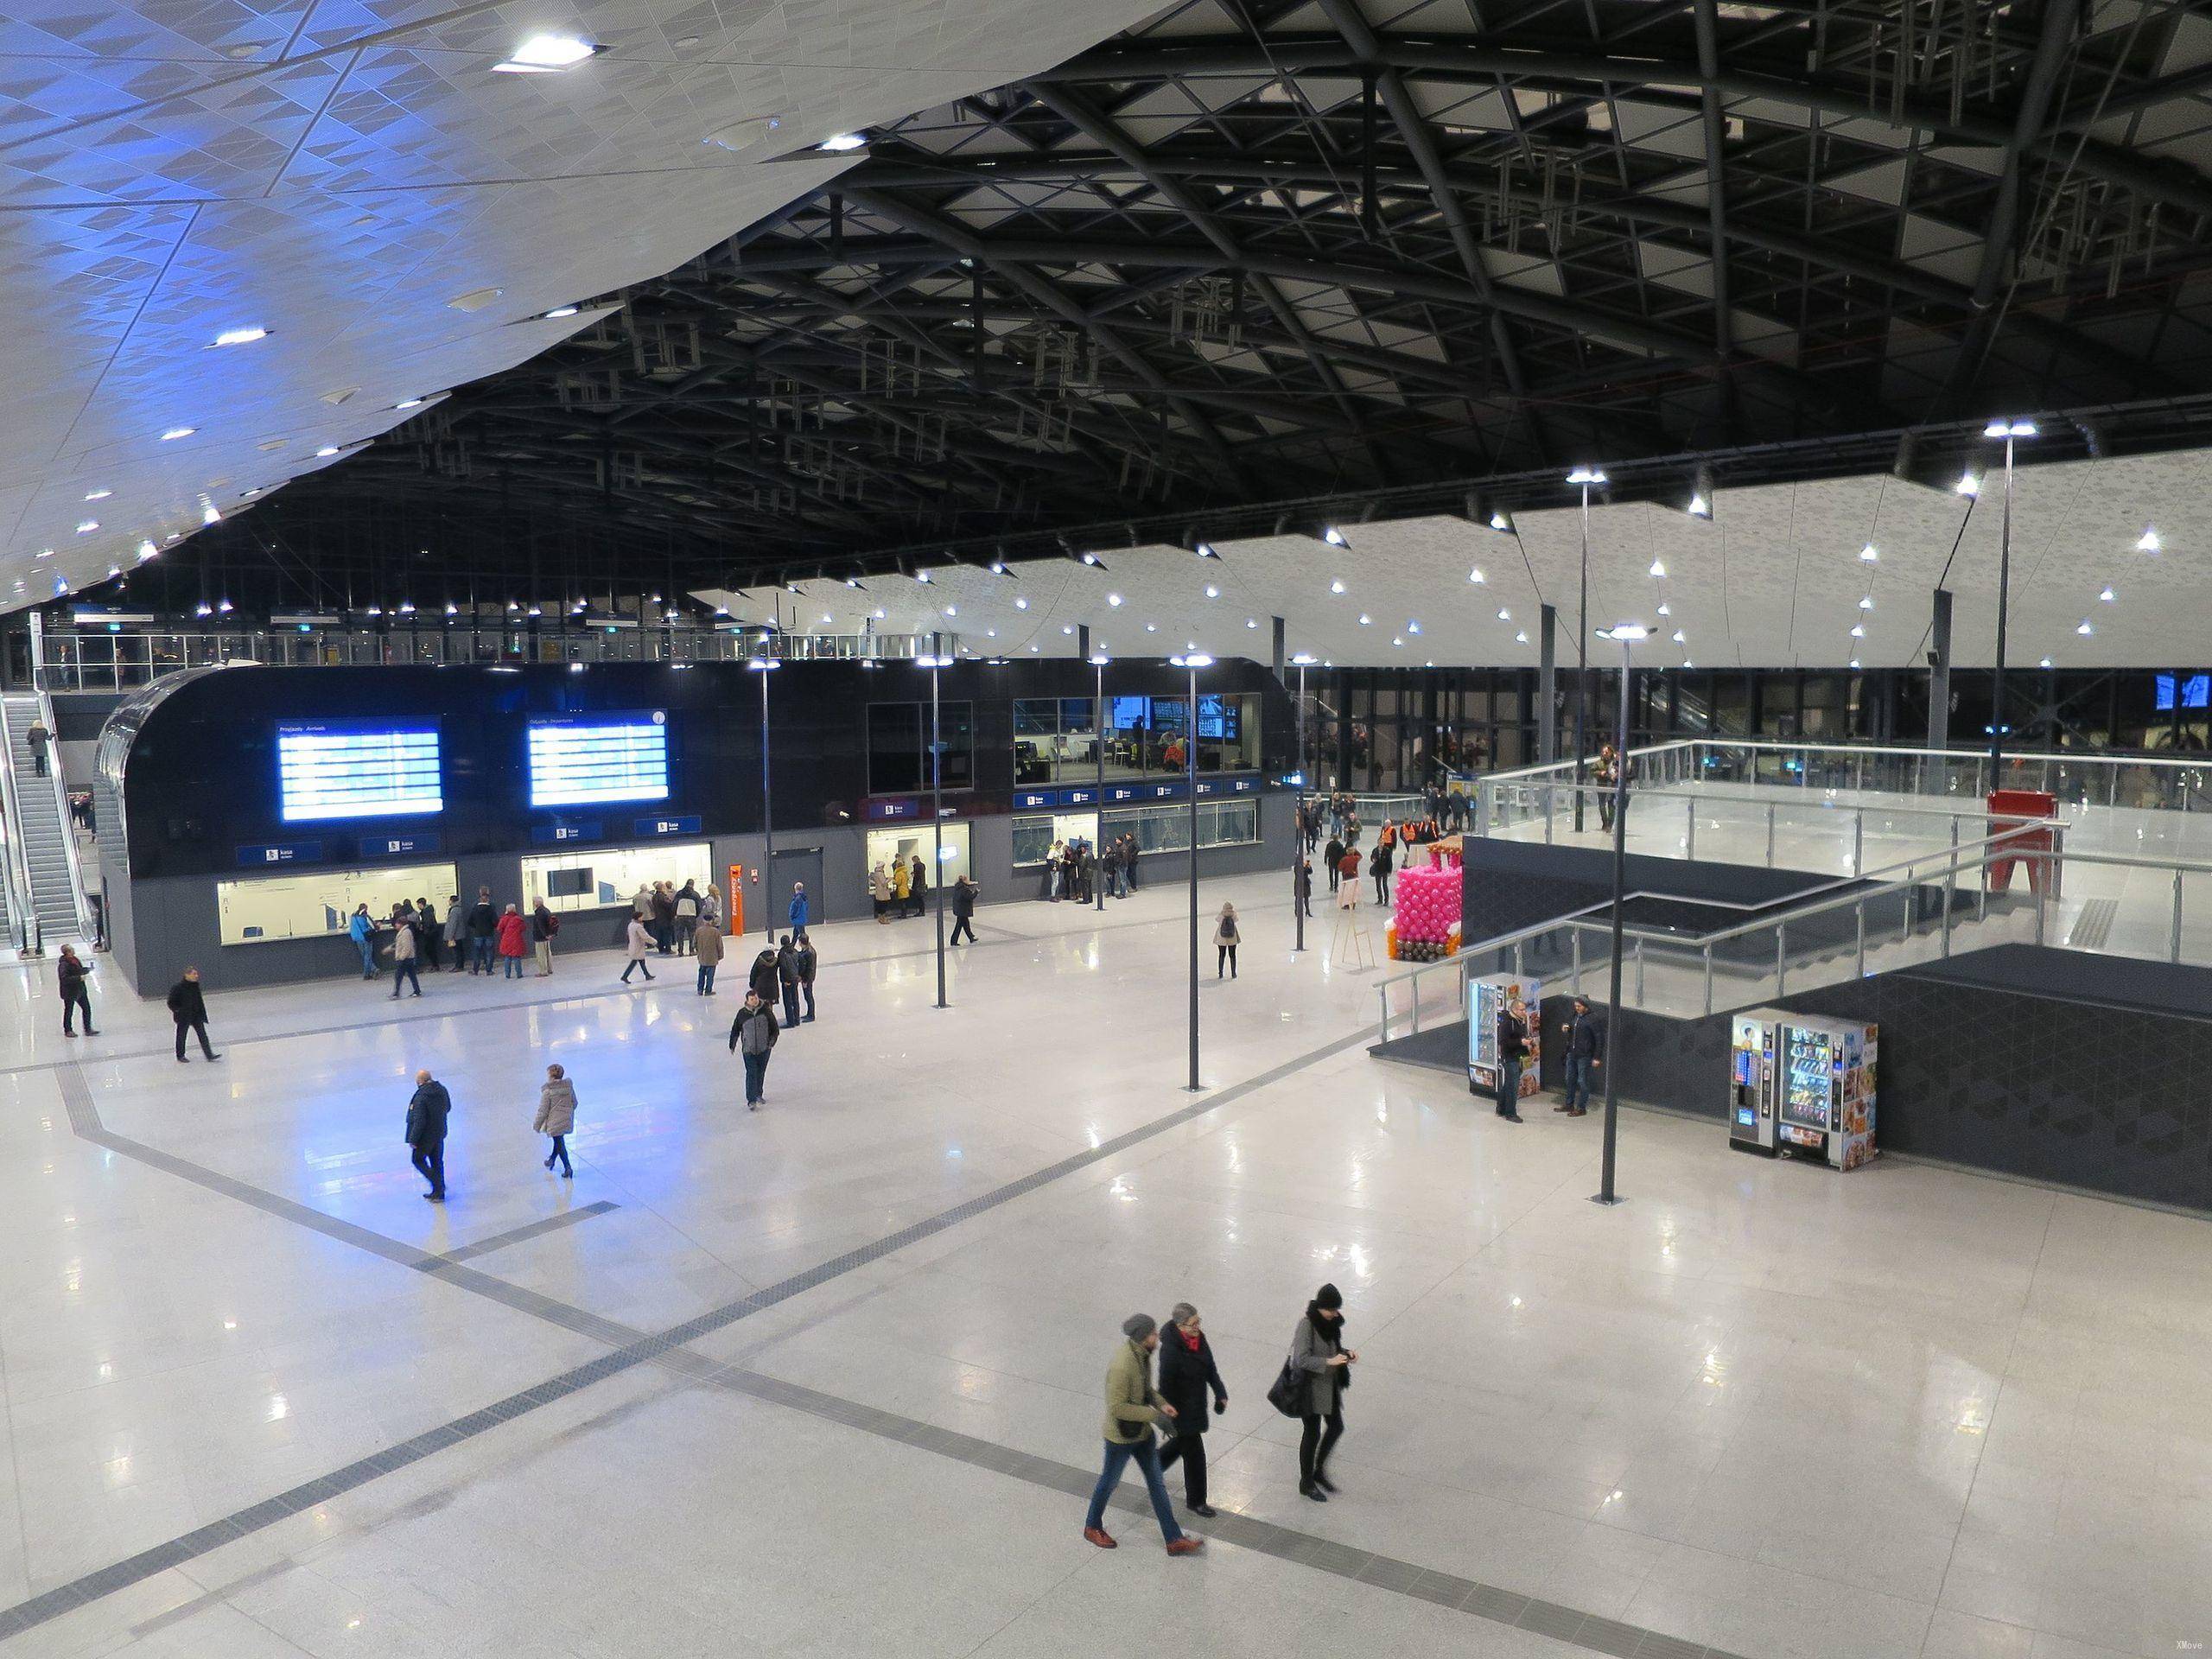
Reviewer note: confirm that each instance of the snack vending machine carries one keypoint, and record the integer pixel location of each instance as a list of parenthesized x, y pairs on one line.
[(1802, 1087), (1489, 996)]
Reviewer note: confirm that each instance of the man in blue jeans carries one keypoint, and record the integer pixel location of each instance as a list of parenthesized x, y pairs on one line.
[(1133, 1406), (1585, 1043)]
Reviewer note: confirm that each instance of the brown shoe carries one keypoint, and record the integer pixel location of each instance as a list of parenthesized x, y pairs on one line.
[(1562, 1107), (1579, 1111), (1099, 1536), (1186, 1545)]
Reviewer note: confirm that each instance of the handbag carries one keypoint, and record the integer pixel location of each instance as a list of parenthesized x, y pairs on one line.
[(1288, 1395)]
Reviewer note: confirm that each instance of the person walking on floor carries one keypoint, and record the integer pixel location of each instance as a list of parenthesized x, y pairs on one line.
[(1226, 941), (1187, 1376), (1133, 1406), (1586, 1045), (426, 1111), (754, 1034), (1378, 866), (687, 916), (707, 946), (1332, 857), (483, 930), (514, 943), (363, 932), (787, 980), (640, 942), (38, 737), (543, 924), (74, 997), (456, 933), (406, 949), (427, 933), (1316, 1348), (796, 914), (556, 1116), (1512, 1050), (963, 909), (189, 1009), (803, 959)]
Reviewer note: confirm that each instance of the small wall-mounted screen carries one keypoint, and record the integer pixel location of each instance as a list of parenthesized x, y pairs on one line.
[(358, 769), (580, 760)]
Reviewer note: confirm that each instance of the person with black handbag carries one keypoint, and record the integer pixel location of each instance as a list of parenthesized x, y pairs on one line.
[(1187, 1375), (1317, 1350)]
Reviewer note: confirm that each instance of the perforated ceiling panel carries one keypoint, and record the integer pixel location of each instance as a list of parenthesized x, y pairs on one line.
[(353, 177)]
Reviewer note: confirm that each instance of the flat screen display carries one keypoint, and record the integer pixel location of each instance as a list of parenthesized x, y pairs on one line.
[(1128, 712), (329, 769), (582, 760)]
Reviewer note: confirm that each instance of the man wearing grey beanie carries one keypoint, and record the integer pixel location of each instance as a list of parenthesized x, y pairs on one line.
[(1133, 1406)]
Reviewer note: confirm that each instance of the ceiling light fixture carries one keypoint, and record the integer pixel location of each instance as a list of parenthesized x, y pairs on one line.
[(409, 402), (97, 495), (1338, 586), (2084, 629), (1666, 610), (546, 55), (176, 432), (2045, 663), (87, 526), (1658, 567), (561, 311), (1867, 603), (1021, 604), (241, 336), (839, 143), (1113, 599), (1212, 592), (1968, 485), (1333, 536), (1870, 555), (1701, 508), (1500, 521), (1476, 575), (2108, 596), (1520, 638), (1857, 633), (1505, 616), (2148, 541), (325, 452)]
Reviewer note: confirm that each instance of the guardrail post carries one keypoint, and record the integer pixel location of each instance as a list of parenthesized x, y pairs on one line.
[(1708, 976), (1689, 841), (2176, 933), (1950, 896), (1547, 815), (1770, 834), (1781, 961), (1905, 932), (1858, 841), (1574, 938), (1519, 971), (1860, 908), (1639, 968), (1382, 1030)]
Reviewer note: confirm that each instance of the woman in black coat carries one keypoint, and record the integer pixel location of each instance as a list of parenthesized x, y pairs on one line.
[(1187, 1375)]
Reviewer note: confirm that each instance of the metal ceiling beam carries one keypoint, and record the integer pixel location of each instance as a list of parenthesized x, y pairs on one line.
[(1704, 13)]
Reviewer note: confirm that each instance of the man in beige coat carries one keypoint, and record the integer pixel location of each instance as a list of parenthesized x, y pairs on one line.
[(707, 946), (1133, 1406)]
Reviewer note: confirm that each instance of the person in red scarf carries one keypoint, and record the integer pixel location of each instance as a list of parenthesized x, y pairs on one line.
[(1187, 1374)]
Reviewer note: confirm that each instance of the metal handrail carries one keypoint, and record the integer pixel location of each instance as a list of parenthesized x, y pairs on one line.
[(77, 899)]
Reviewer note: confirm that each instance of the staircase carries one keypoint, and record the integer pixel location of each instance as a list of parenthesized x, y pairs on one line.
[(41, 827)]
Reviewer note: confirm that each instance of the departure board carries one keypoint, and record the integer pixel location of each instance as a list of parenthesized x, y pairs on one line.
[(358, 769), (582, 760)]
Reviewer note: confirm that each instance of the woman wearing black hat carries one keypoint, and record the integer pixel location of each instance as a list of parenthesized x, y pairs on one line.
[(1316, 1348)]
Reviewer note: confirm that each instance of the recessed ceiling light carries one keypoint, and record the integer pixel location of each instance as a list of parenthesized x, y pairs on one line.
[(1212, 592), (921, 576), (1332, 536), (1396, 641), (1520, 638), (1477, 576), (1113, 599), (1365, 619), (146, 550), (1658, 567), (1412, 627), (1666, 610), (952, 610), (409, 402), (1152, 627), (2108, 596), (2044, 664), (175, 432), (241, 336), (1505, 616), (1337, 586), (1857, 633), (838, 142), (1021, 604), (559, 311), (2085, 629), (1868, 555), (1854, 662), (546, 55), (327, 451), (2148, 541), (1679, 638), (97, 495), (1036, 648), (88, 526), (45, 553), (1067, 627), (1867, 603), (211, 515)]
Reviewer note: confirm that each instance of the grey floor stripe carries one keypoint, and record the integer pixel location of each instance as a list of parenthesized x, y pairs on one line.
[(2093, 926), (628, 1348), (1568, 1624), (994, 936), (529, 1229)]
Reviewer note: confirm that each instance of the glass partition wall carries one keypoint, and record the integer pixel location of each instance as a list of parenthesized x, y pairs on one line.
[(1056, 740)]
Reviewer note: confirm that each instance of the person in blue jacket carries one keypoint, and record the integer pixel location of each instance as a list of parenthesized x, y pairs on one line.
[(798, 907), (362, 932)]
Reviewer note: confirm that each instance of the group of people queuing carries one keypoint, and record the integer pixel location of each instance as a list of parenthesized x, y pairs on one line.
[(899, 886), (671, 921), (1311, 1387), (1447, 805), (468, 939), (1075, 870)]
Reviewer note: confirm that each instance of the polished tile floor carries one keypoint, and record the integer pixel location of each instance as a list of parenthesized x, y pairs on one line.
[(824, 1380)]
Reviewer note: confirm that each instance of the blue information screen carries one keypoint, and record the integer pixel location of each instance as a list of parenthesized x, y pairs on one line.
[(582, 760), (358, 769)]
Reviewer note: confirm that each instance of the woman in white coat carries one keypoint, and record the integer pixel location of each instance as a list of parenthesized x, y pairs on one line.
[(556, 1116), (640, 942)]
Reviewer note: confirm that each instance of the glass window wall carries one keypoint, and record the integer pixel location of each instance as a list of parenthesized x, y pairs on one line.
[(899, 746), (1034, 834), (258, 909), (606, 876), (1055, 738)]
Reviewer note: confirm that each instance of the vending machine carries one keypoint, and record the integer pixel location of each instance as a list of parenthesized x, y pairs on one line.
[(1802, 1087), (1490, 997)]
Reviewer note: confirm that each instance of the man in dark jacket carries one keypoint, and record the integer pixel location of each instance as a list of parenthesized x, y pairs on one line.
[(1512, 1050), (963, 909), (1187, 1375), (1333, 856), (787, 980), (189, 1009), (1301, 886), (754, 1034), (72, 971), (803, 959), (1129, 861), (1585, 1046), (426, 1111), (764, 979), (483, 924)]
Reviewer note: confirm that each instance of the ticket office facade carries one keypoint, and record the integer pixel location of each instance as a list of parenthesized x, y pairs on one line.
[(206, 860)]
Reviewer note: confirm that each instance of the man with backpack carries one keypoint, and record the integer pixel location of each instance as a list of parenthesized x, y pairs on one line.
[(754, 1034)]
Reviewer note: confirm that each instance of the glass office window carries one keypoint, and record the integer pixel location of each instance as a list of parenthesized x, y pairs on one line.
[(606, 876), (1054, 740), (1166, 827), (1034, 834), (258, 909), (1223, 823), (894, 748), (909, 840)]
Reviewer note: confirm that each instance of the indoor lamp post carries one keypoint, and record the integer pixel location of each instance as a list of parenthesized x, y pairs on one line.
[(937, 808), (1303, 661), (2009, 430), (763, 666), (1098, 752), (1587, 478), (1194, 662), (1626, 633)]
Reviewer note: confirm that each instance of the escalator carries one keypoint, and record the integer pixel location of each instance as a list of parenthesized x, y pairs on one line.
[(38, 823)]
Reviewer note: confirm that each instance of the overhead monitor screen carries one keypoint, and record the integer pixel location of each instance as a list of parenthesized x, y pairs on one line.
[(583, 759), (330, 769)]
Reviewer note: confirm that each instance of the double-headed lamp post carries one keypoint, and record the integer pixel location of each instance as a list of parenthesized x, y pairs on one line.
[(1098, 660), (763, 666), (2010, 430), (1194, 662), (936, 810), (1587, 478), (1625, 634), (1303, 660)]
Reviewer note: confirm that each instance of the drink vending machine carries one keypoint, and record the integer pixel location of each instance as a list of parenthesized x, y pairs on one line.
[(1489, 996), (1802, 1087)]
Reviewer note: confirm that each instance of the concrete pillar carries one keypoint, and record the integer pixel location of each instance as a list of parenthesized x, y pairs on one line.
[(1278, 648), (1548, 686), (1939, 689), (1083, 640)]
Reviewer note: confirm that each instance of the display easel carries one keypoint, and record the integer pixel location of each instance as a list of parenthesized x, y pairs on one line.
[(1351, 945)]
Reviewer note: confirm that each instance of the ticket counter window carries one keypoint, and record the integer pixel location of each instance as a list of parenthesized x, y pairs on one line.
[(909, 840), (603, 877), (1034, 834), (312, 905)]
